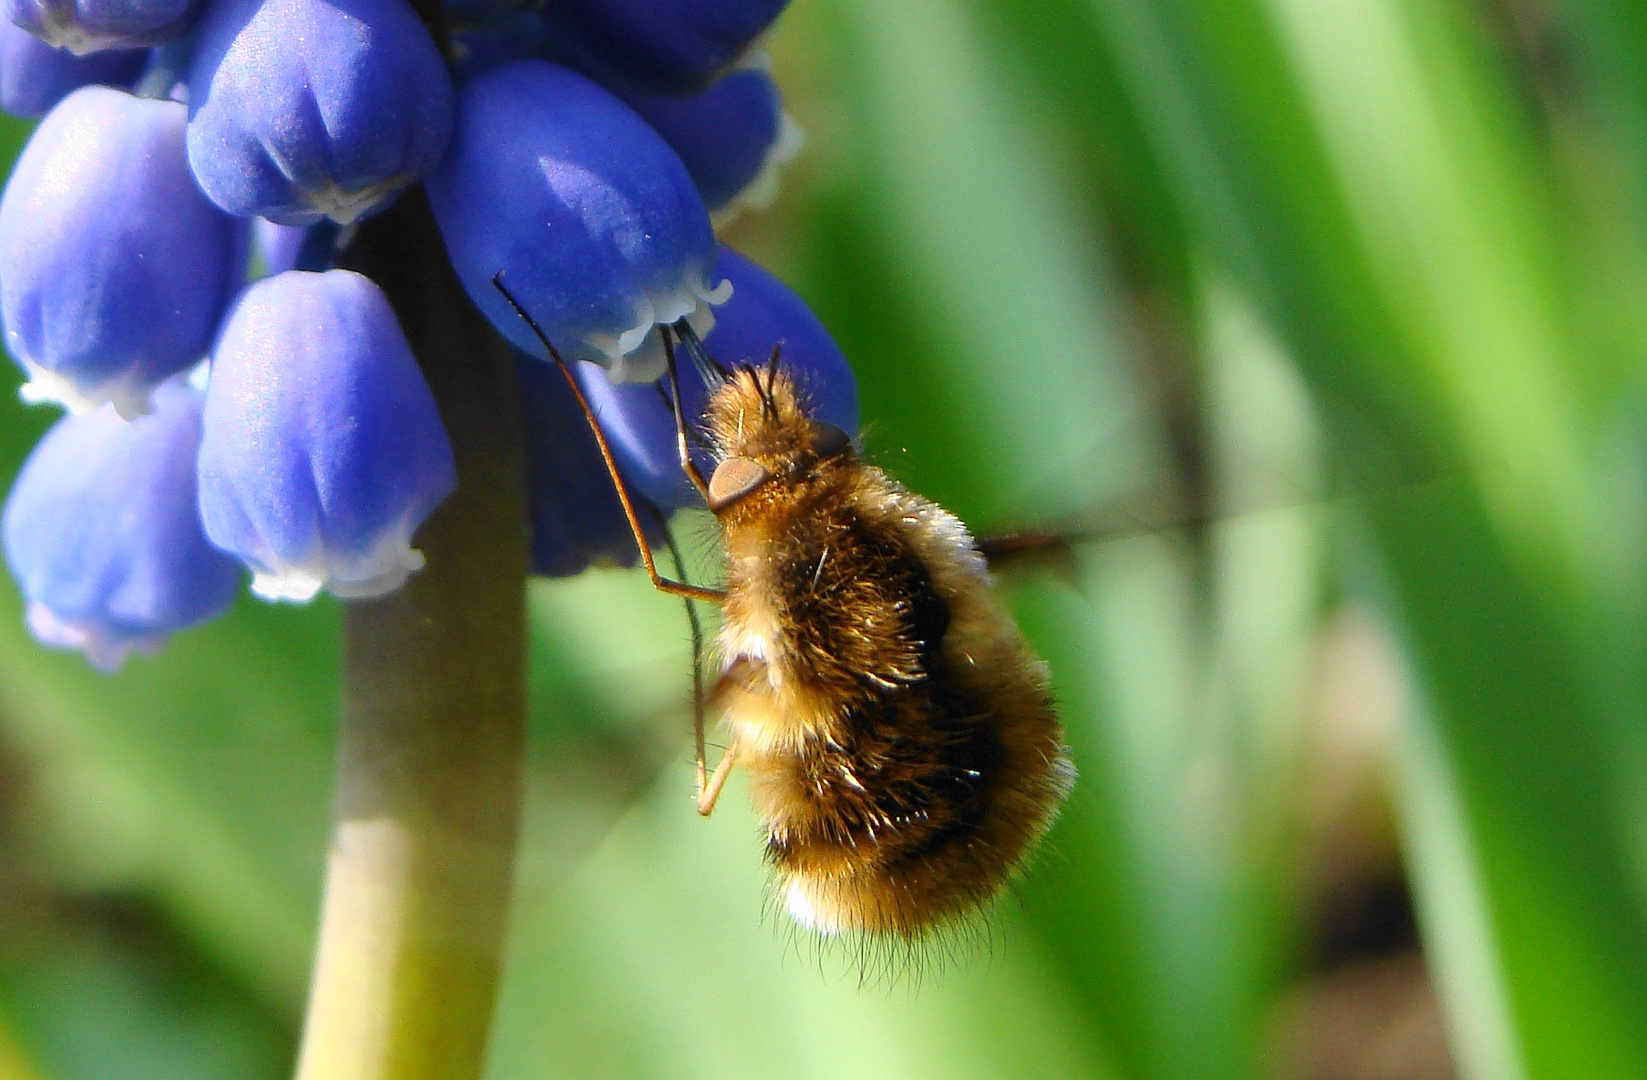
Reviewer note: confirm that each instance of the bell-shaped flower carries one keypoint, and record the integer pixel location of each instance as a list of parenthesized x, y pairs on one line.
[(664, 46), (89, 26), (322, 450), (583, 208), (114, 270), (733, 138), (332, 129), (577, 520), (103, 532), (763, 312), (35, 76)]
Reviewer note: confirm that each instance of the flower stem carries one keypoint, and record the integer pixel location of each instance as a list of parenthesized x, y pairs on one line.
[(432, 717)]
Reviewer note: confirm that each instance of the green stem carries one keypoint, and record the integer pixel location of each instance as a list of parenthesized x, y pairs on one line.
[(432, 720)]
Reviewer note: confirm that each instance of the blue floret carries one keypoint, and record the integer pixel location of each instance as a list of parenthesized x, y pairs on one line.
[(301, 110), (586, 211), (103, 534), (323, 450), (114, 270)]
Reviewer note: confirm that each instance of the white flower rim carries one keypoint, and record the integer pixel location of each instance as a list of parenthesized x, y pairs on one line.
[(346, 206), (59, 29), (636, 353), (105, 647), (129, 394), (379, 571)]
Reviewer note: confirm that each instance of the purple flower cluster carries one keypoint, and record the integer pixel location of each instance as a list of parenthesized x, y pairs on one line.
[(282, 424)]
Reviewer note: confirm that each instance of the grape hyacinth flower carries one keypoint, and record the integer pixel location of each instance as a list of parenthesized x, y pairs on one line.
[(89, 26), (342, 407), (35, 76), (334, 130), (323, 450), (102, 534), (763, 312), (557, 184), (113, 269)]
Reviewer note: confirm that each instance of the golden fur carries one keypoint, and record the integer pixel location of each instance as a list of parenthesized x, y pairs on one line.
[(901, 742)]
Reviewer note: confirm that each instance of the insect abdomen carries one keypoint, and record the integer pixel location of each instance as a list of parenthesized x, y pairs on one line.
[(915, 802)]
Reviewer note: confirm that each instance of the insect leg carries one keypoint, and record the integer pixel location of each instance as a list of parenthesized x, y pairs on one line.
[(708, 787), (674, 588), (682, 442), (697, 437), (741, 675), (711, 793), (699, 754)]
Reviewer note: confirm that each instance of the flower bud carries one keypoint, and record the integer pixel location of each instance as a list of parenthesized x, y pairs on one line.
[(763, 312), (307, 109), (89, 26), (114, 270), (588, 214), (733, 137), (103, 533), (35, 76), (322, 450), (662, 46), (577, 520)]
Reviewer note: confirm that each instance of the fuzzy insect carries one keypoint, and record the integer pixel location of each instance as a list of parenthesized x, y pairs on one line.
[(902, 746)]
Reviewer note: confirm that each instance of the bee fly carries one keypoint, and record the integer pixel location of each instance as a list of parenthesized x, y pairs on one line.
[(901, 744)]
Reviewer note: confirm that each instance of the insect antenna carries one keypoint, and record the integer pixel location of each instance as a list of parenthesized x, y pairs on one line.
[(769, 405), (763, 392), (659, 582), (768, 408)]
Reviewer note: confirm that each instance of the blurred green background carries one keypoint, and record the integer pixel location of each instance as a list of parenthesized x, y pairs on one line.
[(1325, 318)]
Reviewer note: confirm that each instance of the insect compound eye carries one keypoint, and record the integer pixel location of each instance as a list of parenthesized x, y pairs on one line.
[(827, 440), (733, 479)]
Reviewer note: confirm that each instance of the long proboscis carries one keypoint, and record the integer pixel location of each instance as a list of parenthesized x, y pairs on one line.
[(710, 370)]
